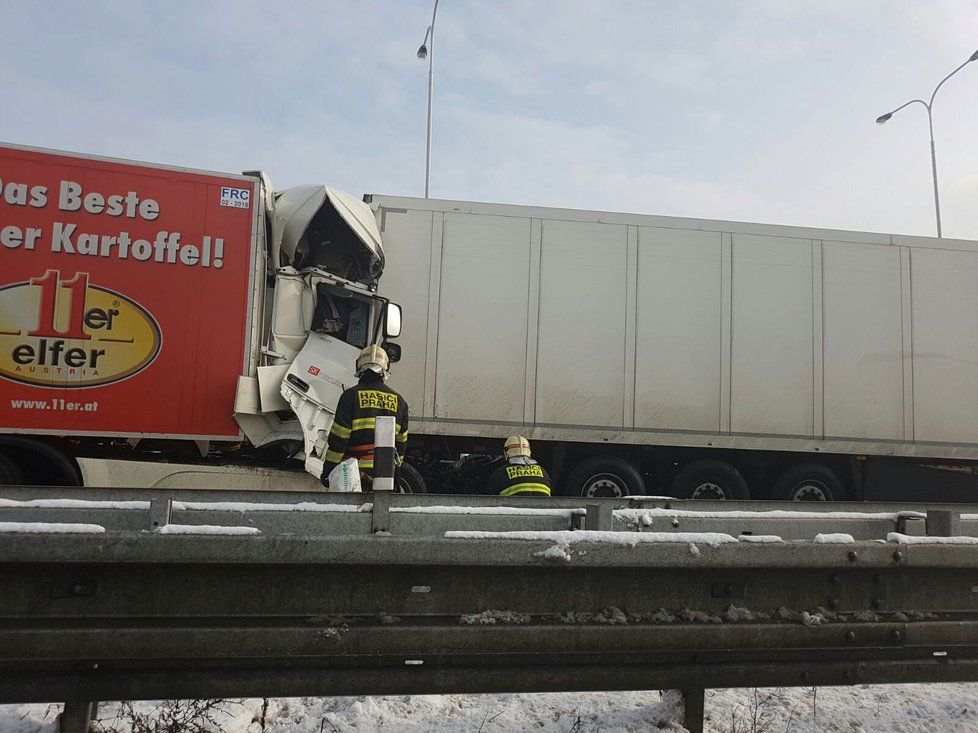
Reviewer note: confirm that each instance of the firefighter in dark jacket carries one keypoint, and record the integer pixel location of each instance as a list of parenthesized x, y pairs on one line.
[(521, 475), (352, 434)]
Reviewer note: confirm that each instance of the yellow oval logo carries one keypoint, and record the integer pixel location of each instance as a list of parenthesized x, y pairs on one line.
[(67, 332)]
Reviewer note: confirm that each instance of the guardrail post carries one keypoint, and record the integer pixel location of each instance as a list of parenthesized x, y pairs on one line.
[(380, 516), (694, 702), (598, 517), (160, 509), (77, 716), (942, 523), (910, 523), (384, 454)]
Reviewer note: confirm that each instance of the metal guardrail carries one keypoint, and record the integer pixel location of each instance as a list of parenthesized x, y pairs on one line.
[(433, 514), (149, 594)]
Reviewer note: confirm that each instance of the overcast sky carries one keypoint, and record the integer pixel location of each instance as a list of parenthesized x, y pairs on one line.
[(759, 111)]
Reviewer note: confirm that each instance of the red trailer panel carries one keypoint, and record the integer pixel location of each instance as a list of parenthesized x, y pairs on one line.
[(125, 295)]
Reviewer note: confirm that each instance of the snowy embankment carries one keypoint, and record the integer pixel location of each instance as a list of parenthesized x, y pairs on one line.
[(867, 709)]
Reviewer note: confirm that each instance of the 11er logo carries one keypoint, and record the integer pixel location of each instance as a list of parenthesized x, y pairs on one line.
[(50, 283), (67, 332)]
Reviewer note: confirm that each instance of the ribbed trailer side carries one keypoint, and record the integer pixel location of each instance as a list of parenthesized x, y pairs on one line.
[(645, 330)]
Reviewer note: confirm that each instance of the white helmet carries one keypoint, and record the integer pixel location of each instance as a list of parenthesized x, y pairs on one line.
[(516, 446), (373, 358)]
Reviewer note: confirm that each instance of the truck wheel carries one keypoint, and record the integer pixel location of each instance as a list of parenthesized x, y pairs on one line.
[(10, 473), (407, 480), (605, 476), (808, 482), (709, 479)]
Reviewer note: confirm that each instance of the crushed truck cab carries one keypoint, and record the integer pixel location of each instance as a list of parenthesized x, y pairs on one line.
[(325, 257)]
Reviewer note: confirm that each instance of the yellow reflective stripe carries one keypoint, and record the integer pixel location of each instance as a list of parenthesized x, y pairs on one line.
[(402, 437), (531, 488), (365, 463), (333, 457), (339, 431), (365, 423)]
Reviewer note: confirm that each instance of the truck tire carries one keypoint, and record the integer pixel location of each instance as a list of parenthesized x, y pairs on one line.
[(407, 480), (808, 482), (10, 473), (709, 479), (41, 464), (605, 476)]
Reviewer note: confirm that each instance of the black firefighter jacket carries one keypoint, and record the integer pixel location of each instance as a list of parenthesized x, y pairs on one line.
[(352, 434)]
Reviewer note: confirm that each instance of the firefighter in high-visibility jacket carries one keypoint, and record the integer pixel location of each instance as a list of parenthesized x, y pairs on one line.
[(521, 476), (352, 434)]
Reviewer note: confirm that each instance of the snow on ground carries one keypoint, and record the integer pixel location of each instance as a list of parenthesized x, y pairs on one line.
[(71, 504), (946, 708), (50, 528), (907, 540), (206, 529), (565, 538), (833, 538), (251, 506)]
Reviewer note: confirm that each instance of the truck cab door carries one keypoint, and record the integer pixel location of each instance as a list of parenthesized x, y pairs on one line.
[(320, 373)]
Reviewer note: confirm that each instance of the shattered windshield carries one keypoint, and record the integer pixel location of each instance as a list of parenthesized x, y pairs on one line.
[(341, 315)]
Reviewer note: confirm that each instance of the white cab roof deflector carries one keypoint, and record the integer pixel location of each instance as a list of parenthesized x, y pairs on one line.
[(296, 207)]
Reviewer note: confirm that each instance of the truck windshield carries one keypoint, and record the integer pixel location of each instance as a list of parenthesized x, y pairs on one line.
[(341, 315)]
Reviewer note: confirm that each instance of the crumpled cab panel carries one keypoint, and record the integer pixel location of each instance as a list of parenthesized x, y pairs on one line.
[(321, 226), (312, 387)]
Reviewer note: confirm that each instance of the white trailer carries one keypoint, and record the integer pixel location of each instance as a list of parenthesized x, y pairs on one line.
[(686, 356)]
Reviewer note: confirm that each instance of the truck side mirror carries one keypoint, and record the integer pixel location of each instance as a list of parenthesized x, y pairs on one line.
[(392, 321), (393, 351)]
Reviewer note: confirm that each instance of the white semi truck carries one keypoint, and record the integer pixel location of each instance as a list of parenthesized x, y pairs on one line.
[(640, 354)]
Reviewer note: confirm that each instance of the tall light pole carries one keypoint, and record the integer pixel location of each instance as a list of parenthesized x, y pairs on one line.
[(930, 121), (427, 49)]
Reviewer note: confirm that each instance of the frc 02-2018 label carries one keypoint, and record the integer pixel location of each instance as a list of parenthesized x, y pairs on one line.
[(71, 333), (236, 198)]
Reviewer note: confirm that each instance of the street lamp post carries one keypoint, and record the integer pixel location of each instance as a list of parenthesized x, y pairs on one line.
[(929, 106), (427, 49)]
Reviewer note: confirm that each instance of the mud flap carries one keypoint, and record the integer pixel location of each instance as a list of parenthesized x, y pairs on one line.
[(322, 370)]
